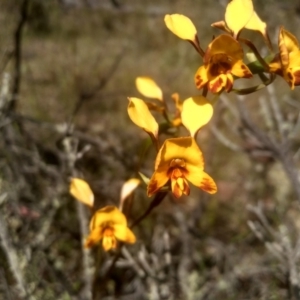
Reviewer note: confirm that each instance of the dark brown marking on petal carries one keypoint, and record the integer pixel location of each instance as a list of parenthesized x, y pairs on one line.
[(297, 77), (297, 73), (177, 192), (247, 74), (152, 188), (208, 186), (229, 85), (199, 82), (219, 68), (216, 86), (186, 190), (290, 76)]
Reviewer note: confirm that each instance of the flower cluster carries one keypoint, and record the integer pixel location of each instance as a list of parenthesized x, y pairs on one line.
[(223, 58), (179, 160)]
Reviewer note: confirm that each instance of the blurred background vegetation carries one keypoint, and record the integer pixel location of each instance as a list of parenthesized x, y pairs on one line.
[(77, 64)]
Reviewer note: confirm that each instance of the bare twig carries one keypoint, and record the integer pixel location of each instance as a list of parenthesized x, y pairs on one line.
[(12, 258), (18, 53), (277, 112), (281, 151), (224, 140), (87, 260), (70, 147)]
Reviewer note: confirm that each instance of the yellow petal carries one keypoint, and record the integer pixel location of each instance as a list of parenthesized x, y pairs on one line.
[(238, 14), (140, 114), (283, 49), (292, 76), (275, 67), (158, 180), (294, 59), (223, 81), (296, 77), (179, 187), (202, 77), (109, 242), (120, 231), (289, 40), (180, 183), (196, 112), (94, 237), (108, 214), (201, 179), (223, 44), (128, 187), (124, 234), (292, 72), (229, 83), (183, 148), (239, 69), (80, 190), (255, 23), (289, 52), (130, 237), (148, 88), (176, 190), (181, 26)]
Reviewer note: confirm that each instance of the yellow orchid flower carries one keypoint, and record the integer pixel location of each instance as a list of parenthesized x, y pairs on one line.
[(80, 190), (109, 225), (222, 61), (287, 63), (178, 161)]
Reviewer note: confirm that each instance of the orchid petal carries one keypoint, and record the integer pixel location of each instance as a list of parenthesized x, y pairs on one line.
[(196, 112), (181, 26), (148, 88), (238, 14), (201, 180), (127, 189), (124, 234), (80, 190), (108, 214), (202, 77), (140, 114), (239, 69)]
